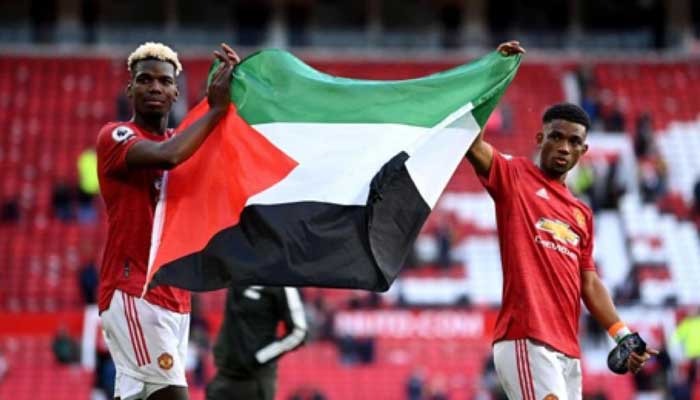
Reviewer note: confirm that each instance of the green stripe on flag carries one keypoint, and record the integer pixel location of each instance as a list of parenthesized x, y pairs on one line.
[(275, 86)]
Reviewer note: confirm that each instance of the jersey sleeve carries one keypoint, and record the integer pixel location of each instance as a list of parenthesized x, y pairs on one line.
[(293, 310), (292, 314), (113, 142), (587, 261), (501, 175)]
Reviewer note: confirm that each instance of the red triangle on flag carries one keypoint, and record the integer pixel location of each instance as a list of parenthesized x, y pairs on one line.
[(235, 159)]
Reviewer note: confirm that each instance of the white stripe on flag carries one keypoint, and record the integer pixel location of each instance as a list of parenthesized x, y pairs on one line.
[(337, 161), (434, 161)]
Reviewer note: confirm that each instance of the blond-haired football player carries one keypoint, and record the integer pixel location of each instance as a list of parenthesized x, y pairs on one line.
[(147, 335)]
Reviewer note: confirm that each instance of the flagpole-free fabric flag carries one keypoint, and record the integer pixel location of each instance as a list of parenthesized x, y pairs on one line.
[(315, 180)]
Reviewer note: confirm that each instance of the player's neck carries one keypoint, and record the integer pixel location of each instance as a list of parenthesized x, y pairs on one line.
[(553, 175), (157, 125)]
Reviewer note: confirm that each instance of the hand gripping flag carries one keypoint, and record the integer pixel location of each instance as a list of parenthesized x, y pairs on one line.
[(315, 180)]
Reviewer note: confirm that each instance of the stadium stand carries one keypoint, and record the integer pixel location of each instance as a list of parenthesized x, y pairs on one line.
[(51, 109), (35, 374)]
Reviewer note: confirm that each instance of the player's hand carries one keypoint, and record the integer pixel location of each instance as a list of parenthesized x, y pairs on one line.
[(635, 362), (511, 48), (629, 355), (219, 90), (227, 53)]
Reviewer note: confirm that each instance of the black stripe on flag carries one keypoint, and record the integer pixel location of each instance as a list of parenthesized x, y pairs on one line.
[(312, 243)]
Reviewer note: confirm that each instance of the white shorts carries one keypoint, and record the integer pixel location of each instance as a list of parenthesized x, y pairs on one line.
[(148, 344), (532, 371)]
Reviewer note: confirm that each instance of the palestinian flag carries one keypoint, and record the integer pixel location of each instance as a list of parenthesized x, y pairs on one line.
[(315, 180)]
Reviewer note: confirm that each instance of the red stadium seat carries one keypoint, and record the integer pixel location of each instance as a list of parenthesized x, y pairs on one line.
[(35, 374)]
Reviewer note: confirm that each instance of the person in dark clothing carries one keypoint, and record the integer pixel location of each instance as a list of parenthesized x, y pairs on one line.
[(9, 211), (62, 202), (65, 348), (247, 349), (614, 119), (415, 385), (88, 278), (644, 138)]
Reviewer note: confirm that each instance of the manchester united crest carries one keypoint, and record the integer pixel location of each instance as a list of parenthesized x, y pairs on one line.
[(165, 361)]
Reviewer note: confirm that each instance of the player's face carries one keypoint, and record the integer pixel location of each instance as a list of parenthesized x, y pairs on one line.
[(152, 89), (562, 143)]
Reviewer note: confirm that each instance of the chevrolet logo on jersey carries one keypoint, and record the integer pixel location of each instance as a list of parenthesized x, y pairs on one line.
[(559, 230)]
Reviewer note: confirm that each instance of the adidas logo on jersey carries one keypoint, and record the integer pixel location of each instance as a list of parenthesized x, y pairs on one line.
[(542, 193)]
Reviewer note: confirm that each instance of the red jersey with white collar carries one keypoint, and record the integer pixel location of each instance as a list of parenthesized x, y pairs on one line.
[(545, 236), (130, 196)]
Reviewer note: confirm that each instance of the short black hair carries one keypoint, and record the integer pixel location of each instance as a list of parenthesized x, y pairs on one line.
[(568, 112)]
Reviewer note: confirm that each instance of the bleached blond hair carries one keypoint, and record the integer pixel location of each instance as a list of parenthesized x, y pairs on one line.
[(154, 51)]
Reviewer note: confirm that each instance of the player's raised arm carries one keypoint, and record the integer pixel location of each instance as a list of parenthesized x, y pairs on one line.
[(170, 153), (480, 154)]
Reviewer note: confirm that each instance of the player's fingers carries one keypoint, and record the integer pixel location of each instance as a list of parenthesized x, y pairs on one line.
[(218, 75), (235, 57), (652, 352), (633, 366), (510, 48), (220, 56), (225, 55), (223, 75), (227, 73), (503, 49), (231, 53), (516, 47), (228, 68), (226, 51), (222, 65)]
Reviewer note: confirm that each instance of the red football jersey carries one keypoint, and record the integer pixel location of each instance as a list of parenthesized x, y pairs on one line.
[(545, 236), (130, 197)]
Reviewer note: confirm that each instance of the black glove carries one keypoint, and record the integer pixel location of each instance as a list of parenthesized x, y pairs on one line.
[(617, 359)]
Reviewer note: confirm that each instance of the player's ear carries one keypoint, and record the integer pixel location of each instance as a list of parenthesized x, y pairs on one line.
[(128, 90), (539, 137), (177, 94)]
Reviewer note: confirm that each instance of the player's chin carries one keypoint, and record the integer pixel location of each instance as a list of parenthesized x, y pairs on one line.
[(559, 168), (155, 112)]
